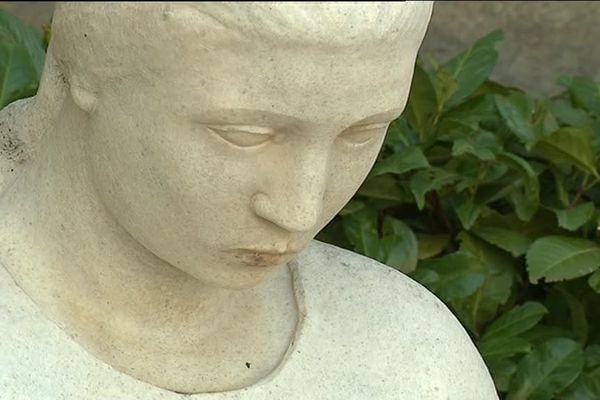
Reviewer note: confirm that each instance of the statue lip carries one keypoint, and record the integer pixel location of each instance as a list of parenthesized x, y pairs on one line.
[(259, 257)]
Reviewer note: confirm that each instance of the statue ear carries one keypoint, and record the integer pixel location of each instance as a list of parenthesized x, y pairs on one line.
[(83, 97)]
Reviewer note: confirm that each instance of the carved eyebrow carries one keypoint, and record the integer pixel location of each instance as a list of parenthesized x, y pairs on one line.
[(263, 117), (380, 117), (244, 116)]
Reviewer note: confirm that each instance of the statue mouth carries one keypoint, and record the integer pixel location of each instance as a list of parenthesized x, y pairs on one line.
[(263, 257)]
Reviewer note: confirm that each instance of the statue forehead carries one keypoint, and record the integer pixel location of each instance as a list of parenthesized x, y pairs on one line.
[(288, 21), (110, 39)]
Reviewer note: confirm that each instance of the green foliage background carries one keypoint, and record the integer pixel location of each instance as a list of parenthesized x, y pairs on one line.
[(487, 196)]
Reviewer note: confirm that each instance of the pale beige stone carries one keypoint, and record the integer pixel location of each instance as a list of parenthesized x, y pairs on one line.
[(159, 194)]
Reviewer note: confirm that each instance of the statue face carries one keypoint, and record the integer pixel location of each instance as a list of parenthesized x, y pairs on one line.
[(226, 163)]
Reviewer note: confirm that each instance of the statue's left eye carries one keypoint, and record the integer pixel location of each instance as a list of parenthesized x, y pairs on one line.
[(363, 134), (243, 135)]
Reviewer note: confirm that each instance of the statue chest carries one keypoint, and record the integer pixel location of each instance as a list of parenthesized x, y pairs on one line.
[(327, 360)]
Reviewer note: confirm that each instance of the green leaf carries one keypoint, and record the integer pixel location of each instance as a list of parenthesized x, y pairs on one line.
[(579, 325), (492, 87), (525, 195), (503, 347), (361, 230), (517, 110), (468, 212), (586, 387), (21, 59), (445, 86), (498, 268), (568, 115), (516, 321), (562, 193), (399, 135), (432, 179), (469, 115), (516, 243), (352, 207), (484, 145), (518, 163), (399, 245), (592, 357), (585, 92), (595, 128), (458, 275), (543, 120), (541, 333), (569, 146), (547, 370), (422, 105), (525, 202), (407, 160), (473, 174), (594, 281), (384, 187), (472, 67), (431, 245), (573, 218), (502, 371), (556, 258)]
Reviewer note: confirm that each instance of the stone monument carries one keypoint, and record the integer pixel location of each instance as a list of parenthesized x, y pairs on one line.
[(159, 197)]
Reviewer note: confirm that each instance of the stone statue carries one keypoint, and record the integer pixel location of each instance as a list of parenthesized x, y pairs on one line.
[(159, 197)]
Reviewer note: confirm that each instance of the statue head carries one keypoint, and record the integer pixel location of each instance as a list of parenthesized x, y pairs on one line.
[(222, 137)]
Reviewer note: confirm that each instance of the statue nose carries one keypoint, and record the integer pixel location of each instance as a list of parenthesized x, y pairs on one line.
[(293, 198), (287, 212)]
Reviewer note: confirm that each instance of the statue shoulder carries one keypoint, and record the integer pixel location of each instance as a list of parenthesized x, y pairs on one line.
[(342, 270), (14, 142), (404, 323)]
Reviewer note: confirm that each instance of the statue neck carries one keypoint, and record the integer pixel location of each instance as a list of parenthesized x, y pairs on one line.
[(123, 303)]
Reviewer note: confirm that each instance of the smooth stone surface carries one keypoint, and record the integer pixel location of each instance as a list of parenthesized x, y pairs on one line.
[(366, 332), (176, 157)]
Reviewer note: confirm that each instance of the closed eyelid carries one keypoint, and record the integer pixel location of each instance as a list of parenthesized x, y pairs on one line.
[(363, 134), (252, 129), (374, 125), (243, 136)]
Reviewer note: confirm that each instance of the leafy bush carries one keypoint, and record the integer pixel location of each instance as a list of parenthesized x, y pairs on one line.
[(486, 196), (490, 198), (21, 59)]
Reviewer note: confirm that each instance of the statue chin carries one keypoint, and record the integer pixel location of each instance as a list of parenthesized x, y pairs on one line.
[(170, 166)]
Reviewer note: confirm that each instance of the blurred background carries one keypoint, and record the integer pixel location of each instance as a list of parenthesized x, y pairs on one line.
[(544, 39)]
